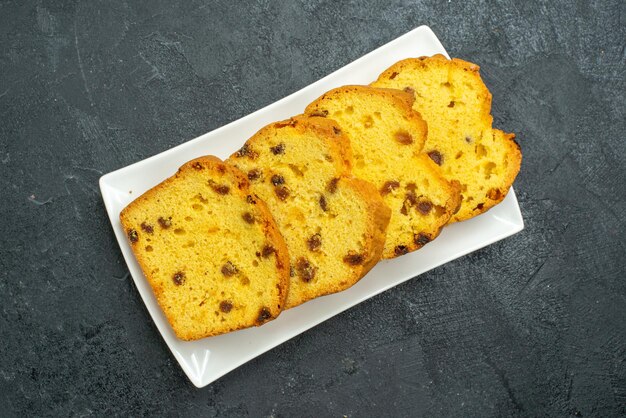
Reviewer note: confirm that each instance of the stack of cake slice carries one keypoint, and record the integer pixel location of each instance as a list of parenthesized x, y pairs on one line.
[(309, 205)]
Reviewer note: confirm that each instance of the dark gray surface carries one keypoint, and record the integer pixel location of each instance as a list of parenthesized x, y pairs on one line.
[(534, 325)]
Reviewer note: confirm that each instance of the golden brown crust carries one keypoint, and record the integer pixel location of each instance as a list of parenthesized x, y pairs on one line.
[(406, 96), (241, 186)]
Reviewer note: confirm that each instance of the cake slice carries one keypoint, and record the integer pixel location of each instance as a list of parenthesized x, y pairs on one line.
[(456, 104), (210, 249), (334, 225), (387, 137)]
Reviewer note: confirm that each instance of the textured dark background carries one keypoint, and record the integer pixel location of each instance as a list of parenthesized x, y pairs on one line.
[(534, 325)]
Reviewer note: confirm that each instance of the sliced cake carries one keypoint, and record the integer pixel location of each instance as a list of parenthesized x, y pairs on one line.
[(387, 137), (334, 225), (210, 249), (456, 104)]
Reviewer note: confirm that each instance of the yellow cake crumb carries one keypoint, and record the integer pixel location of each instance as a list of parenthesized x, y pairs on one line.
[(333, 224), (456, 104), (387, 137), (210, 249)]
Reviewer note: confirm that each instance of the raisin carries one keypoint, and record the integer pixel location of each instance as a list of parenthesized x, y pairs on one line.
[(277, 180), (401, 250), (389, 186), (250, 200), (222, 189), (264, 315), (229, 269), (197, 165), (178, 278), (336, 130), (219, 188), (411, 198), (323, 203), (254, 174), (165, 222), (315, 242), (468, 139), (451, 104), (403, 137), (409, 90), (494, 194), (133, 236), (393, 75), (479, 206), (226, 306), (278, 149), (247, 151), (248, 217), (424, 207), (436, 157), (322, 113), (305, 270), (147, 227), (282, 192), (332, 185), (267, 250), (243, 151), (354, 259), (421, 239)]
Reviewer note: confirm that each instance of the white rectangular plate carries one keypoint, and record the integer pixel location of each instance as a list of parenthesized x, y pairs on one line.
[(206, 360)]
